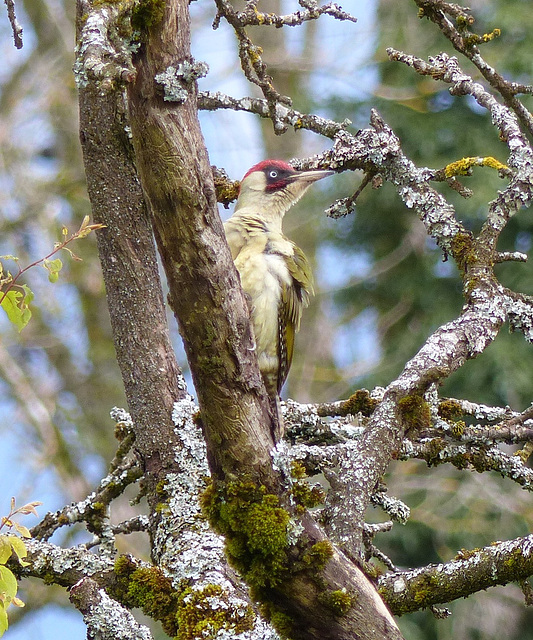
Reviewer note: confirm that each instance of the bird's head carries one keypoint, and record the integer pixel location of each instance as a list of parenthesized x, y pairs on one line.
[(271, 187)]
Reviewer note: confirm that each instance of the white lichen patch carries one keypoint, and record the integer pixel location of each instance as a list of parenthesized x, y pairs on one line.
[(107, 620), (50, 557), (177, 81)]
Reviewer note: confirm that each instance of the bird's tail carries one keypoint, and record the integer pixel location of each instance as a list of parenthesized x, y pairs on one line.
[(271, 380), (278, 428)]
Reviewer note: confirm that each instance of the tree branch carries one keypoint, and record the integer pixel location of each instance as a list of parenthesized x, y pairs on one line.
[(498, 564), (466, 43), (312, 11), (105, 618), (15, 26), (214, 322)]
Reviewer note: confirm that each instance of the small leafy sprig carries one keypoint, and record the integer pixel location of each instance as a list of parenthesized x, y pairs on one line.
[(10, 544), (15, 298)]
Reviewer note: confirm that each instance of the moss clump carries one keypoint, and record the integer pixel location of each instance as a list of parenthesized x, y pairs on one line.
[(63, 520), (281, 622), (147, 14), (198, 618), (481, 461), (255, 529), (517, 562), (185, 613), (359, 402), (434, 448), (460, 461), (298, 470), (152, 592), (122, 431), (463, 252), (339, 601), (162, 508), (450, 410), (424, 587), (161, 489), (258, 545), (318, 555), (458, 428), (372, 571), (146, 588), (124, 567), (226, 190), (305, 495), (99, 509), (415, 411)]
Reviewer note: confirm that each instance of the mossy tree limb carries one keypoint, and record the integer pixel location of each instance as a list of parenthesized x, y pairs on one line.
[(470, 571), (213, 318)]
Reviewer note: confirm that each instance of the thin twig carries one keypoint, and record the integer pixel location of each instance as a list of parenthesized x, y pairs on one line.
[(15, 26)]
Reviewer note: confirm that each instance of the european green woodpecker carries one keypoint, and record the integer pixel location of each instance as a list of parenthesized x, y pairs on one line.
[(275, 274)]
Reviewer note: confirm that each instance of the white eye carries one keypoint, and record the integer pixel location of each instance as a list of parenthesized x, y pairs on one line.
[(273, 174)]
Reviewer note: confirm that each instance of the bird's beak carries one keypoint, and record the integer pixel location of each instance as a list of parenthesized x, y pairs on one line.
[(312, 176)]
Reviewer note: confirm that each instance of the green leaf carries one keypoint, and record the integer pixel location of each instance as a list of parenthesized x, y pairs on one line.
[(5, 549), (28, 294), (8, 584), (3, 620), (17, 310), (24, 531), (19, 548), (53, 267)]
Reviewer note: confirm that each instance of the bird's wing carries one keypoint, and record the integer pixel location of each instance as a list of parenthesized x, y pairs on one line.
[(294, 297)]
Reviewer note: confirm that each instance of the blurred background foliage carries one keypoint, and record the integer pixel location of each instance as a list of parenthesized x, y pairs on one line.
[(382, 285)]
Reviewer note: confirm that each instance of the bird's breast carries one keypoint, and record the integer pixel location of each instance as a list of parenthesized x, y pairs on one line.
[(262, 275)]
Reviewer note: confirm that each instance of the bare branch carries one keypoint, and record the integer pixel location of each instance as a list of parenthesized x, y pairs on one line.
[(286, 115), (93, 510), (466, 43), (510, 256), (252, 16), (133, 525), (520, 191), (65, 567), (345, 206), (15, 26), (252, 64)]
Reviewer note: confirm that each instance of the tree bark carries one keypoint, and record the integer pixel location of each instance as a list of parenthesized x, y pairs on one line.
[(150, 373), (204, 291), (214, 321)]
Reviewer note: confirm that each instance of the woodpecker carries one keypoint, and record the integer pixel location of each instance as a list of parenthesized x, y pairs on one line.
[(275, 274)]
